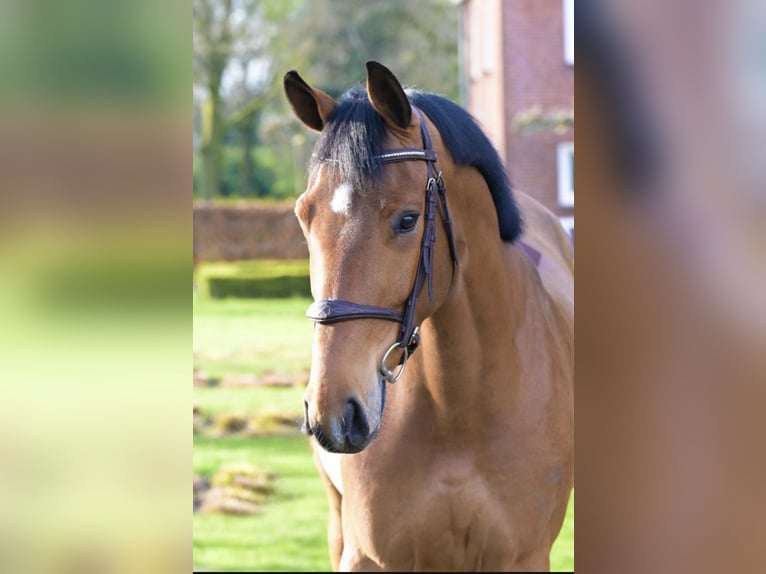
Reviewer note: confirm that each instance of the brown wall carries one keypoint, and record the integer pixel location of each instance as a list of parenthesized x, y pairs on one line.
[(528, 70), (535, 75), (232, 233)]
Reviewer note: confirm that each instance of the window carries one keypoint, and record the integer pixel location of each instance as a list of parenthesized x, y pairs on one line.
[(482, 39), (565, 161), (568, 10), (568, 223)]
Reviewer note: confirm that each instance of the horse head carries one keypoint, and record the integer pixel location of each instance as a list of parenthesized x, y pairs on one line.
[(373, 251)]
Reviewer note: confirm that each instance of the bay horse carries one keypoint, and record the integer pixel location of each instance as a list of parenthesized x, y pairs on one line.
[(440, 398)]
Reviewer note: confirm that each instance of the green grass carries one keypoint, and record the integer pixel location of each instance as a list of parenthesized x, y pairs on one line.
[(562, 553), (254, 336), (289, 534), (251, 335), (249, 401)]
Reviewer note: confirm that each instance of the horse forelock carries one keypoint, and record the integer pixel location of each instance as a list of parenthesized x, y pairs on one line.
[(351, 143)]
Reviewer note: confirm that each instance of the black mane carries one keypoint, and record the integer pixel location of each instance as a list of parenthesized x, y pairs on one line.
[(353, 137)]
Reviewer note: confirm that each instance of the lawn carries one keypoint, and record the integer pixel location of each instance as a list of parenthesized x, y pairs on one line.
[(289, 534), (256, 336), (251, 335)]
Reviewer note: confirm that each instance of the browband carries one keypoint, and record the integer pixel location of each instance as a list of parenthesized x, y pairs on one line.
[(407, 153)]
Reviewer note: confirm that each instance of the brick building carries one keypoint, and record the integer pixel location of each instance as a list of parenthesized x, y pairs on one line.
[(518, 75)]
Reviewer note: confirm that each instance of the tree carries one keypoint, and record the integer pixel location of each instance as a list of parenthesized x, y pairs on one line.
[(329, 41), (228, 33), (242, 49), (417, 40)]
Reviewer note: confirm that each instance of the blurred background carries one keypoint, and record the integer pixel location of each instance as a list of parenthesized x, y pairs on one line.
[(670, 284), (259, 502), (95, 314)]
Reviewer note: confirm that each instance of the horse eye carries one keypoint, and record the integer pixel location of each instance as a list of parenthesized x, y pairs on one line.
[(408, 222)]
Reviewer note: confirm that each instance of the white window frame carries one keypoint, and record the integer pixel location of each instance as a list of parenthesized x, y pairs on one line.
[(568, 13), (475, 43), (565, 161), (568, 224)]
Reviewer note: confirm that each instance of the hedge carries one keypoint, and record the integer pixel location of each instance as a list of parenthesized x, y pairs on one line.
[(254, 279)]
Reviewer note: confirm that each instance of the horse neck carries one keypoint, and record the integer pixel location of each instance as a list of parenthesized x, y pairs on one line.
[(472, 341)]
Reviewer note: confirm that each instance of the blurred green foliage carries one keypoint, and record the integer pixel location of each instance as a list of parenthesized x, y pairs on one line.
[(243, 48), (85, 53), (271, 178)]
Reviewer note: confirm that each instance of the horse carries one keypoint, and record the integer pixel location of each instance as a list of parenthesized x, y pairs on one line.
[(440, 395)]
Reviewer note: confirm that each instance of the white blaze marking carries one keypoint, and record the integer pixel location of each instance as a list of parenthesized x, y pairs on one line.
[(331, 465), (341, 199)]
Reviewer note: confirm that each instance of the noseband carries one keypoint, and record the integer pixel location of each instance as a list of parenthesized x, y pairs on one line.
[(329, 311)]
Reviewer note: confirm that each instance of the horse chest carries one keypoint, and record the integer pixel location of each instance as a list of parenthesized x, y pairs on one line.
[(331, 464), (432, 521)]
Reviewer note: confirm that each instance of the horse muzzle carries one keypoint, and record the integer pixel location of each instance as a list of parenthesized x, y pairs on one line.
[(349, 432)]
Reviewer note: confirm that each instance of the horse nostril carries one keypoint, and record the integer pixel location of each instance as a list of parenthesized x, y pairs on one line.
[(355, 424), (306, 427)]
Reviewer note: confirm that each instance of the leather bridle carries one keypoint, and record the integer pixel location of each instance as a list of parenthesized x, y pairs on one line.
[(329, 311)]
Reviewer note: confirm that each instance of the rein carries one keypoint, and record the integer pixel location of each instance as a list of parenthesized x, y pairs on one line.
[(329, 311)]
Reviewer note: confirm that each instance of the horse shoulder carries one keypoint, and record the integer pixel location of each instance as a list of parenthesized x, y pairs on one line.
[(544, 232)]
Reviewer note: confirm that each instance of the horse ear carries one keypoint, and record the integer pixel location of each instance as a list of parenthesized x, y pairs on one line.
[(312, 106), (387, 96)]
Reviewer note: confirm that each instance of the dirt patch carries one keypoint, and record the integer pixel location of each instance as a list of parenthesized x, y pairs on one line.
[(239, 381), (273, 422), (228, 423), (199, 420), (267, 379), (200, 488), (236, 488), (263, 423), (201, 379)]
